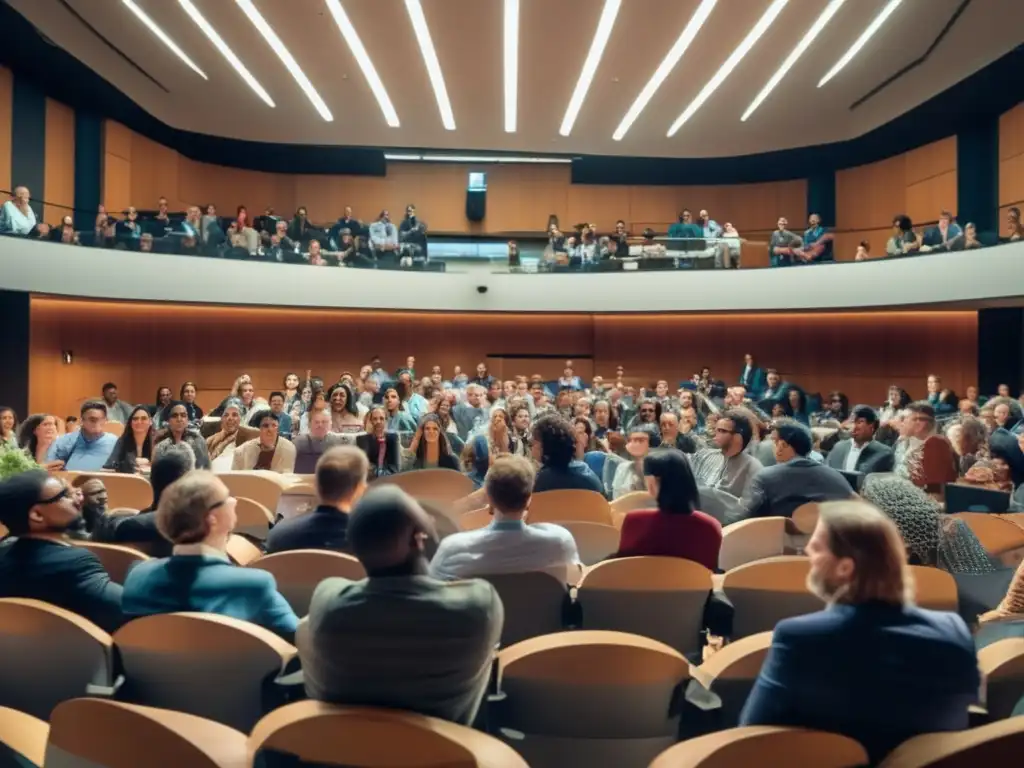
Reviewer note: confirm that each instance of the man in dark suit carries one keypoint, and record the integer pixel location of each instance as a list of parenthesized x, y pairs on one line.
[(37, 562), (340, 481), (794, 480), (773, 388), (862, 453), (871, 666), (380, 446), (752, 377)]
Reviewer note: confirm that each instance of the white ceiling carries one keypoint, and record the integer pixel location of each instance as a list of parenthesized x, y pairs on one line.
[(555, 36)]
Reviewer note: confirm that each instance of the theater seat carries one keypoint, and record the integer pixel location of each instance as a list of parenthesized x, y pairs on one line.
[(299, 571), (49, 655), (475, 519), (124, 490), (242, 551), (117, 559), (750, 540), (254, 519), (594, 541), (563, 506), (329, 735), (731, 673), (207, 665), (92, 733), (764, 746), (934, 588), (534, 604), (658, 597), (998, 534), (995, 744), (262, 487), (22, 738), (589, 698), (440, 485), (623, 505), (766, 591), (1002, 664)]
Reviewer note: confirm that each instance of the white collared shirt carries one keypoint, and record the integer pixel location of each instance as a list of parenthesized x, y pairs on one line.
[(204, 550), (850, 465)]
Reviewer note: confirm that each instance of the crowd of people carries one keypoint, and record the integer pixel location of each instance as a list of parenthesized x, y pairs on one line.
[(419, 632), (351, 242)]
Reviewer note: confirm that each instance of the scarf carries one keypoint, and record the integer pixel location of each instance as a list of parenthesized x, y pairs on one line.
[(218, 442)]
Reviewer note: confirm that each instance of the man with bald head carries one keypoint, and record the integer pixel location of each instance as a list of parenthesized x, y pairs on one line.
[(399, 638)]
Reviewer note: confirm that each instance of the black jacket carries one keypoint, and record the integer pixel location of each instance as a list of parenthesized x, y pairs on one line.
[(875, 457), (323, 528), (777, 491), (392, 459)]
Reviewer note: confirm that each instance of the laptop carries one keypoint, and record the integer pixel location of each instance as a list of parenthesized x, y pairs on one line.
[(968, 498)]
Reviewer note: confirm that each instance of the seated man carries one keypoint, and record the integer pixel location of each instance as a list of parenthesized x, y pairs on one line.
[(37, 562), (508, 544), (340, 481), (268, 451), (312, 445), (554, 448), (629, 475), (728, 466), (88, 448), (870, 665), (794, 480), (400, 638), (862, 453)]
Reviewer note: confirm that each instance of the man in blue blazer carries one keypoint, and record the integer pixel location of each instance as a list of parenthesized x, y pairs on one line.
[(752, 377), (871, 666)]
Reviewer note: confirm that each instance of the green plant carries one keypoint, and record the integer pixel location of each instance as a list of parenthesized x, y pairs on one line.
[(14, 461)]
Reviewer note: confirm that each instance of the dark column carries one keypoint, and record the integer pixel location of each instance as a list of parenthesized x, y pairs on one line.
[(14, 319), (28, 141), (977, 175), (821, 197), (88, 168), (1000, 349)]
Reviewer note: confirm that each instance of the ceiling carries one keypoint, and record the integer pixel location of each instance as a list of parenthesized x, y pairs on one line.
[(554, 39)]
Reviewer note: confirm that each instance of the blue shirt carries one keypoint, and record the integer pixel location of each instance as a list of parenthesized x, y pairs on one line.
[(577, 476), (506, 546), (79, 453)]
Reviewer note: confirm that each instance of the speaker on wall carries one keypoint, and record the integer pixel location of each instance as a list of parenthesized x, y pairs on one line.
[(476, 196)]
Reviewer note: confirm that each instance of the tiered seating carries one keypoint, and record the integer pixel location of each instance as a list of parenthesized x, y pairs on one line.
[(767, 591)]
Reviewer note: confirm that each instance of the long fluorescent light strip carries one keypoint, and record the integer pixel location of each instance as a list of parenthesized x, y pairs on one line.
[(355, 45), (667, 65), (419, 25), (270, 36), (868, 33), (478, 159), (511, 64), (155, 29), (730, 64), (226, 52), (604, 31), (801, 47)]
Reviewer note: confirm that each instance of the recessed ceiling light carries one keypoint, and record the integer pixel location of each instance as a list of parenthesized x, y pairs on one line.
[(730, 64), (278, 47), (868, 33), (355, 44), (797, 52), (511, 64), (226, 52), (667, 65), (419, 25), (155, 29), (604, 31)]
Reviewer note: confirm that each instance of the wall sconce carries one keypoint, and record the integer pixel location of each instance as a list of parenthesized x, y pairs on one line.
[(67, 356)]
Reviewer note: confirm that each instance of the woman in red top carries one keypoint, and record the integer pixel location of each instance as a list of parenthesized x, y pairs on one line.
[(675, 528)]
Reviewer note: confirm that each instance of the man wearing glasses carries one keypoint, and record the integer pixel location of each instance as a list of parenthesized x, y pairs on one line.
[(39, 563), (88, 448), (727, 466)]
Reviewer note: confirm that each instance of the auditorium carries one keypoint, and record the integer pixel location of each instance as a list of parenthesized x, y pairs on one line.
[(350, 415)]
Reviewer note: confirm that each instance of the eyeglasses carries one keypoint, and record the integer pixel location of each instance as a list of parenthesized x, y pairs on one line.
[(64, 493), (220, 503)]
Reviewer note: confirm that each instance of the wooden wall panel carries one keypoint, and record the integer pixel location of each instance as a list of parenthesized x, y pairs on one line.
[(1011, 160), (154, 174), (520, 197), (846, 242), (59, 165), (227, 188), (600, 204), (6, 124), (155, 344)]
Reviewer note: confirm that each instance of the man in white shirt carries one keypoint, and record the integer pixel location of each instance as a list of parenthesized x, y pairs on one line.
[(508, 544), (862, 453)]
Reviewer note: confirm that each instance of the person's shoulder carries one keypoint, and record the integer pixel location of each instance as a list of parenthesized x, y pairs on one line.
[(944, 624), (550, 531), (472, 596), (812, 627), (333, 593)]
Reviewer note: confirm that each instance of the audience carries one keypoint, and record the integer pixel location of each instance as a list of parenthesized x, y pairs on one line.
[(341, 474), (862, 453), (35, 436), (430, 448), (88, 448), (133, 451), (676, 528), (16, 215), (508, 544), (312, 445), (629, 475), (553, 447), (400, 638), (178, 429), (268, 451), (39, 562), (871, 666), (380, 445), (728, 466), (197, 514)]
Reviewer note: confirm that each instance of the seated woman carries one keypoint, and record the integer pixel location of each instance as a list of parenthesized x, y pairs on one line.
[(35, 436), (798, 405), (675, 528), (133, 450), (605, 420), (221, 445), (317, 402), (584, 436), (484, 448), (344, 410), (197, 514), (398, 419), (268, 451), (836, 408), (188, 397), (179, 430), (164, 396), (429, 448)]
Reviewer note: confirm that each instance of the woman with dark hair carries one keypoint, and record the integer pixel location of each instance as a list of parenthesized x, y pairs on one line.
[(291, 388), (584, 436), (836, 408), (35, 436), (904, 240), (162, 400), (897, 400), (797, 401), (8, 427), (675, 528), (188, 399), (344, 410), (399, 419), (969, 438), (180, 430), (298, 229), (133, 451), (430, 448), (484, 448), (317, 402)]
